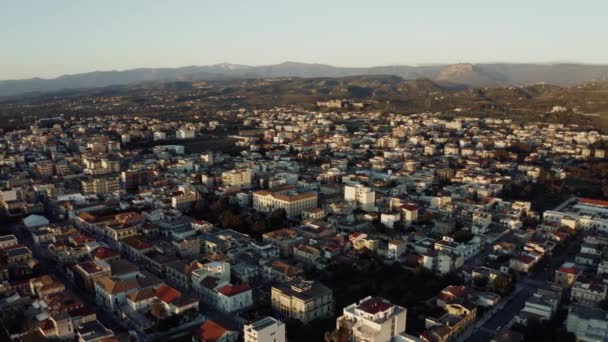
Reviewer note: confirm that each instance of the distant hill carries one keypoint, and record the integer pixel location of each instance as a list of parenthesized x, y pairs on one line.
[(457, 75)]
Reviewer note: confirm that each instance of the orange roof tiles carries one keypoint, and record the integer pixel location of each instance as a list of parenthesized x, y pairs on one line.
[(167, 294), (211, 331), (230, 290)]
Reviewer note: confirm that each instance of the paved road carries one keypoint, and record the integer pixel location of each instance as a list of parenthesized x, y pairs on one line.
[(503, 316), (526, 287)]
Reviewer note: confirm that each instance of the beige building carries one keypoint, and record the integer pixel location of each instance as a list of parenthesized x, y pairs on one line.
[(284, 198), (184, 200), (236, 180), (100, 185), (302, 300), (364, 197), (373, 319)]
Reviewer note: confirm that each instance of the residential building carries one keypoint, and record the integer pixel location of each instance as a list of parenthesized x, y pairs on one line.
[(284, 198), (302, 300), (364, 197), (372, 319), (267, 329)]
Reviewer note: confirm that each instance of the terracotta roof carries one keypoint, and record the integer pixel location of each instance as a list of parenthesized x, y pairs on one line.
[(230, 290), (140, 295), (211, 332), (129, 217), (526, 259), (375, 305), (46, 325), (287, 198), (136, 243), (117, 286), (409, 207), (167, 294), (286, 268), (592, 201), (570, 270), (103, 253)]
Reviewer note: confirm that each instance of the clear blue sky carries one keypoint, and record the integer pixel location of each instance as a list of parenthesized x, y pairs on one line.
[(48, 38)]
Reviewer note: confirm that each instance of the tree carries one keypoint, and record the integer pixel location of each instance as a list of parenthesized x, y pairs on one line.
[(501, 284), (231, 220), (277, 218), (603, 304), (463, 236), (480, 282), (340, 335)]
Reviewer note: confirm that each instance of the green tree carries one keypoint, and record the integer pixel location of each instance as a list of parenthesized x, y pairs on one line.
[(501, 284), (277, 218)]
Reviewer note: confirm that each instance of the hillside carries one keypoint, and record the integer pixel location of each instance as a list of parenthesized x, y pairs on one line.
[(456, 75)]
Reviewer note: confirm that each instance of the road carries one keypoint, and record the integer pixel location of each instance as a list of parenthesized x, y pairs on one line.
[(510, 307)]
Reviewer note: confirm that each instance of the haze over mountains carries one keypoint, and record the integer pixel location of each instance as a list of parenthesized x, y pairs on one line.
[(464, 74)]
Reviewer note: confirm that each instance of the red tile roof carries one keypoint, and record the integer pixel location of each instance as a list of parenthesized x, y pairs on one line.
[(230, 290), (592, 201), (526, 259), (167, 294), (570, 270), (102, 253), (375, 305), (211, 332), (410, 207)]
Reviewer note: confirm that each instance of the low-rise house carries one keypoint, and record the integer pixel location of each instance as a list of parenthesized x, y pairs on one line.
[(210, 331), (588, 291), (233, 298), (111, 292), (180, 272), (306, 254), (284, 239), (396, 248), (281, 271), (134, 247), (587, 323), (566, 274), (456, 319), (85, 274), (442, 262), (265, 329), (541, 306)]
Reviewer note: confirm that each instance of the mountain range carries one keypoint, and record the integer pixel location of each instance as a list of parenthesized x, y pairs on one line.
[(452, 75)]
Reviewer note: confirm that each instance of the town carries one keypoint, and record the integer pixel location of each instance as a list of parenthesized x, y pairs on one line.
[(329, 223)]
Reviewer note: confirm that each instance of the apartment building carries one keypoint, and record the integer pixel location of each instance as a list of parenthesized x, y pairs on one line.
[(100, 185), (364, 197), (372, 319), (235, 180), (266, 329), (302, 300), (184, 200)]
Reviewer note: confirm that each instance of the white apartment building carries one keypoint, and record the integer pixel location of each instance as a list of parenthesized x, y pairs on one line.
[(364, 197), (373, 319), (587, 323), (237, 179), (185, 133), (267, 329), (580, 213)]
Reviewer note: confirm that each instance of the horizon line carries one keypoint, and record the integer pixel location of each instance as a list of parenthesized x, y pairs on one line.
[(297, 62)]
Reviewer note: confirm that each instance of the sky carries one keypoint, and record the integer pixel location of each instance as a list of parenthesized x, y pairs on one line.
[(49, 38)]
